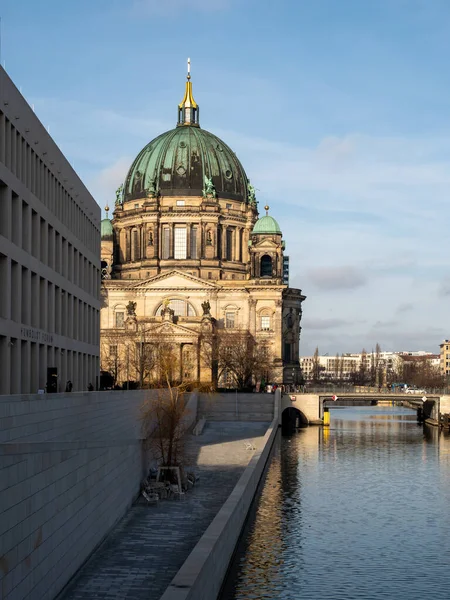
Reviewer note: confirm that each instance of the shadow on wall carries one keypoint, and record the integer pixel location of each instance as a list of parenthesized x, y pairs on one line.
[(292, 419)]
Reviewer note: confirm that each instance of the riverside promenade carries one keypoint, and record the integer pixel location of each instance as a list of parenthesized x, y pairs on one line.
[(145, 550)]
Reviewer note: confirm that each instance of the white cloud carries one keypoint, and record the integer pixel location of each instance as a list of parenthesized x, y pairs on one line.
[(444, 288), (336, 278), (106, 182), (404, 307), (324, 323)]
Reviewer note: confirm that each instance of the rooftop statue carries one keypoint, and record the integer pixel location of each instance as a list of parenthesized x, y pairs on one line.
[(206, 306), (152, 192), (131, 308), (209, 191), (252, 195), (119, 195)]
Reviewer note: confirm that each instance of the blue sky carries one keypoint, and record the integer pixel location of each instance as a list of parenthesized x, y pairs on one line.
[(338, 110)]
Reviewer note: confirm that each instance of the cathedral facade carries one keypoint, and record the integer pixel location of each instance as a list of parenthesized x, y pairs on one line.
[(187, 257)]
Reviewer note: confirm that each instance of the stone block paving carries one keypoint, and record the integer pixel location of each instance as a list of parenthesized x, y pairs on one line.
[(145, 550)]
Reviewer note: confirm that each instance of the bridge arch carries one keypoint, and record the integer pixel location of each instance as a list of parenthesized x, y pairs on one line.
[(292, 418)]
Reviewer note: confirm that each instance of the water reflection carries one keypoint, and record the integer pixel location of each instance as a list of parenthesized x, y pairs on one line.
[(357, 510)]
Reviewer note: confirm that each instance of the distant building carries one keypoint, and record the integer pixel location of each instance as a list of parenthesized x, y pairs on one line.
[(444, 358), (345, 366), (49, 259)]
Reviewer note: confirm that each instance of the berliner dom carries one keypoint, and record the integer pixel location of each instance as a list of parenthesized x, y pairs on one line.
[(187, 257)]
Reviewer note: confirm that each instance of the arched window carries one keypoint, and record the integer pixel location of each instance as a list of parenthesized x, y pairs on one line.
[(266, 266), (180, 307), (265, 322)]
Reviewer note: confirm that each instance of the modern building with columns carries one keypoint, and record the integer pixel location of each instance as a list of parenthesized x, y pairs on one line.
[(49, 259), (187, 254)]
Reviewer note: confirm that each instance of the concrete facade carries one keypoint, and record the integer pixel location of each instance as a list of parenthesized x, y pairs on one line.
[(49, 258), (70, 467)]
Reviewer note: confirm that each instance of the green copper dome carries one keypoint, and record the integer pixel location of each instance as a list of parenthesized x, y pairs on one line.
[(266, 225), (106, 229), (177, 162)]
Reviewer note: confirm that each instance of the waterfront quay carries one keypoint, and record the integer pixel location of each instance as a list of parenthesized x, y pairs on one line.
[(145, 550)]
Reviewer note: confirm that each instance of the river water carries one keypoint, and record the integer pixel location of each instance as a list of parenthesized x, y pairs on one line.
[(359, 510)]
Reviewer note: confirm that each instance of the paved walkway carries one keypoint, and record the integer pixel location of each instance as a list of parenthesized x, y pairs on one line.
[(145, 550)]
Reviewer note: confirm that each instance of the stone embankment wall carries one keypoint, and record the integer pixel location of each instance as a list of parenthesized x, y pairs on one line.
[(240, 407), (70, 466)]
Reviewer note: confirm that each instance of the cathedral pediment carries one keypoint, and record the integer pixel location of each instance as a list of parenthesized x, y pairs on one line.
[(174, 280), (266, 244), (168, 329)]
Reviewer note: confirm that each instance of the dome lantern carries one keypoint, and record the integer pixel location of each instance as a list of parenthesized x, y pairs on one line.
[(106, 227), (188, 110)]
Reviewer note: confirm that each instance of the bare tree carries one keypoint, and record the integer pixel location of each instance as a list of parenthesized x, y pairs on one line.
[(421, 373), (316, 366), (379, 370), (112, 354), (337, 363), (362, 375), (241, 358), (163, 425)]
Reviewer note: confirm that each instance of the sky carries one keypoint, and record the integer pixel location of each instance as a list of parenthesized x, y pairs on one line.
[(338, 110)]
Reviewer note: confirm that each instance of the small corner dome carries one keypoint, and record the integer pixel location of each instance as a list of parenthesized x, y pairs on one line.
[(267, 225), (106, 229)]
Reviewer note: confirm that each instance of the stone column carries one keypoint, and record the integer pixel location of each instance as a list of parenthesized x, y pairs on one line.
[(127, 249), (199, 239), (120, 254), (252, 316), (278, 329), (181, 363), (224, 242), (188, 240), (160, 239), (171, 240), (216, 242), (239, 236), (202, 241), (154, 251)]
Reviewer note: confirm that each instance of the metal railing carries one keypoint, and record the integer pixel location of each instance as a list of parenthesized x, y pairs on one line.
[(360, 389)]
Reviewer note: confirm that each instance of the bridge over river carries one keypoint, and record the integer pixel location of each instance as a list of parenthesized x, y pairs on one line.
[(311, 409)]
